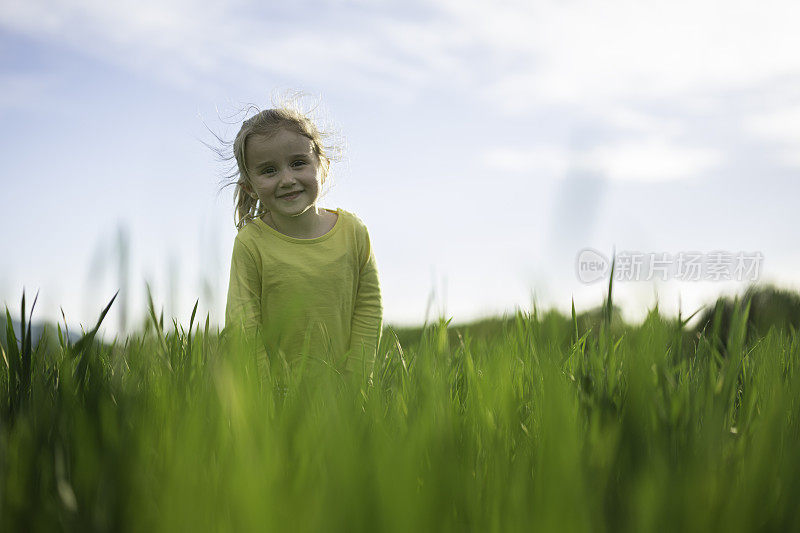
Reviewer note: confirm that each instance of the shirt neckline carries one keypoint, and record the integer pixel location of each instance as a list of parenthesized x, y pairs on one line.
[(296, 240)]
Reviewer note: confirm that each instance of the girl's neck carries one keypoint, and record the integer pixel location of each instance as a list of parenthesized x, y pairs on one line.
[(303, 226)]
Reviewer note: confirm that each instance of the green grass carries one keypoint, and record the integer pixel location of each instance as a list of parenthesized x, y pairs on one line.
[(538, 422)]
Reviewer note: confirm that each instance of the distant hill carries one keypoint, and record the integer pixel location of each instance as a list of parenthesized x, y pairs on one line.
[(37, 328), (770, 307)]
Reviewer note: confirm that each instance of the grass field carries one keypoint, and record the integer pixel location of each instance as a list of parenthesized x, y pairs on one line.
[(541, 422)]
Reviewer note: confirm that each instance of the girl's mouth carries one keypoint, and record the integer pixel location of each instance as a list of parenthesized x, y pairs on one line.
[(290, 197)]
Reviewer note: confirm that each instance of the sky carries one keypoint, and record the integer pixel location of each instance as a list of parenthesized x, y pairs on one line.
[(485, 145)]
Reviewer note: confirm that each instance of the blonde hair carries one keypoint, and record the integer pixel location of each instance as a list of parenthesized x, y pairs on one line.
[(288, 115)]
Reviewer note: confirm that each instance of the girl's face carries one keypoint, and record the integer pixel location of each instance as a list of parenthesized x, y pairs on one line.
[(280, 164)]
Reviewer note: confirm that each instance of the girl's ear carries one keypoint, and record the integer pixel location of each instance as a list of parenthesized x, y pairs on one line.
[(246, 188), (324, 170)]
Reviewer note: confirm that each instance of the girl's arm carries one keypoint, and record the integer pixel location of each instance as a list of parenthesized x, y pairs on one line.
[(365, 329), (243, 309)]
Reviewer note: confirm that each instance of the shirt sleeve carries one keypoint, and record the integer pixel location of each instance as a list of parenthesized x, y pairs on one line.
[(243, 308), (365, 329)]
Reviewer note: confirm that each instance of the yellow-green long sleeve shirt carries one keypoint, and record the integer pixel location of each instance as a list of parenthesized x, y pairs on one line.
[(326, 288)]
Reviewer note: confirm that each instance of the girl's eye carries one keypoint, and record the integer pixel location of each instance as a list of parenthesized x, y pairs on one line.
[(299, 162), (268, 170)]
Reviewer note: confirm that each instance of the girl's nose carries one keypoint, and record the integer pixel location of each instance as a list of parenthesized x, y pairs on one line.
[(286, 178)]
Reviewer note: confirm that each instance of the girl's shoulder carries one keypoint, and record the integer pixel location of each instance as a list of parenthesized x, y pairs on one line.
[(250, 236), (247, 231), (352, 218), (357, 226)]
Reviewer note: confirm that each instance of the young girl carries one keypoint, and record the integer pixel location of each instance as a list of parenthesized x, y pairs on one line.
[(304, 280)]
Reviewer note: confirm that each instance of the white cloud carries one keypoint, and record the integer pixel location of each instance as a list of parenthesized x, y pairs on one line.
[(23, 90), (781, 127), (193, 43), (521, 55), (790, 158), (627, 118), (613, 61), (583, 52), (540, 160), (646, 161), (651, 160), (173, 39)]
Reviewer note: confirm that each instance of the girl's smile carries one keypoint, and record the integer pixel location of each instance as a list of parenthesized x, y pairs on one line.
[(291, 196)]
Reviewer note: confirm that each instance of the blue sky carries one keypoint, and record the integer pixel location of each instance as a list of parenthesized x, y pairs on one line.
[(486, 144)]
